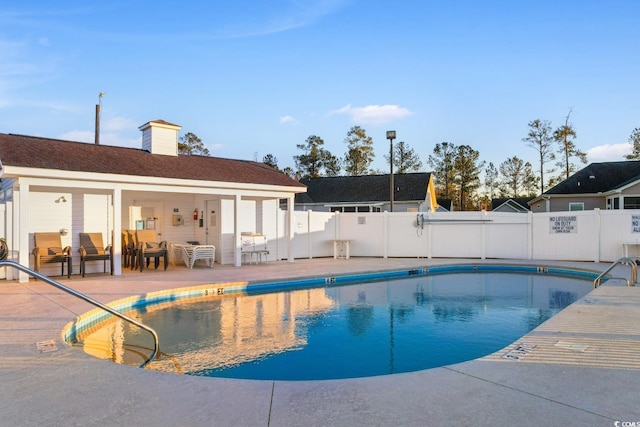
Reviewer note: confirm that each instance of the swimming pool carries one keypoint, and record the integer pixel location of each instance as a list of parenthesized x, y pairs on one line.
[(424, 320)]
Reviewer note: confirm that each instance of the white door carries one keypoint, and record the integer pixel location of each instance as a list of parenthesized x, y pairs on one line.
[(212, 224)]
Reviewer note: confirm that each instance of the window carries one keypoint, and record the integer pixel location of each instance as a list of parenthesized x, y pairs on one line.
[(632, 203), (576, 206)]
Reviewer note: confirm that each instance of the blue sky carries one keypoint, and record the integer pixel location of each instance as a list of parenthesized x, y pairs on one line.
[(258, 77)]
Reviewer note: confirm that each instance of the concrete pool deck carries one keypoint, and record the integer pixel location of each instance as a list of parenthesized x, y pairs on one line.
[(584, 370)]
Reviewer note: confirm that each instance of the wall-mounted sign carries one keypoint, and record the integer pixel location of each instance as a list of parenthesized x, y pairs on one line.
[(635, 223), (563, 224)]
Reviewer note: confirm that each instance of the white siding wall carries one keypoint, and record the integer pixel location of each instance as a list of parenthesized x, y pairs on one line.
[(158, 140), (227, 243), (80, 213), (267, 213)]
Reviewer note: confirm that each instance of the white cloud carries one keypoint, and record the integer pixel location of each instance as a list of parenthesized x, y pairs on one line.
[(287, 16), (287, 119), (373, 114), (608, 152), (78, 135), (118, 123)]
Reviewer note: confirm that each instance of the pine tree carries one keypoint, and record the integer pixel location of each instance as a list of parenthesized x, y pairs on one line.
[(189, 144), (540, 138), (359, 152), (634, 140)]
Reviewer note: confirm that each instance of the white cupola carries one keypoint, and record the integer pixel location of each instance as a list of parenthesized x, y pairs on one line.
[(160, 137)]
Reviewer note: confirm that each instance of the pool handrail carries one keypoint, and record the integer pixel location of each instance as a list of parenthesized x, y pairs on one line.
[(156, 344), (621, 261)]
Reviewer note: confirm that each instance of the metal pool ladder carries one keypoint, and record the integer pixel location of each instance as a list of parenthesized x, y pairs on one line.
[(5, 262), (622, 261)]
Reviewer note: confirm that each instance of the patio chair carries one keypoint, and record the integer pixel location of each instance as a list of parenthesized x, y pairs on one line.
[(92, 249), (148, 247), (48, 250), (129, 249)]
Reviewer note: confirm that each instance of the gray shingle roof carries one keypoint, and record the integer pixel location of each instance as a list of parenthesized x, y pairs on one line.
[(45, 153), (365, 188), (599, 178), (520, 202)]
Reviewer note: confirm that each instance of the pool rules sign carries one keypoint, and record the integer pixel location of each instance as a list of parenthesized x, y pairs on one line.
[(563, 224)]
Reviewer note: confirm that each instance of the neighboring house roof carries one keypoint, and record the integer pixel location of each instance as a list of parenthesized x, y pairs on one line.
[(45, 153), (515, 204), (365, 188), (599, 178), (445, 205)]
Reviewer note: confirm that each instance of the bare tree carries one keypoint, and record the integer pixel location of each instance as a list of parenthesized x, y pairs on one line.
[(564, 136)]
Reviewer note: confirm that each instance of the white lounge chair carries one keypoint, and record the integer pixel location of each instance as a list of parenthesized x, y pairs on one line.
[(191, 253)]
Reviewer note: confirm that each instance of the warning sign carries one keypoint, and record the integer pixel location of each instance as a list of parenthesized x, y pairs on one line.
[(563, 224), (635, 223)]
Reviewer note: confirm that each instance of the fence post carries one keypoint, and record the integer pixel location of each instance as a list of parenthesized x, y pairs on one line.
[(483, 237), (309, 245), (530, 235), (385, 234), (596, 212)]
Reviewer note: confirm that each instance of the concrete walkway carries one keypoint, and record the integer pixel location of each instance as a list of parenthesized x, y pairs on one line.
[(584, 370)]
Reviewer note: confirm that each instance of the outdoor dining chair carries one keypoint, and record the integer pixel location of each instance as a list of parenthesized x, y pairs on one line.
[(148, 247), (48, 250), (92, 249)]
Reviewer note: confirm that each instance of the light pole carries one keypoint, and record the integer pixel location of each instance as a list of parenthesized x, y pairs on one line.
[(391, 135)]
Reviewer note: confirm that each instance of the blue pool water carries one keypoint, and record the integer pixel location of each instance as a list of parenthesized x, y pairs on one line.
[(347, 331)]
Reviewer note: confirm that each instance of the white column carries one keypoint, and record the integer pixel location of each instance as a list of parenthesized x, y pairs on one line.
[(21, 201), (237, 238), (290, 228), (117, 234)]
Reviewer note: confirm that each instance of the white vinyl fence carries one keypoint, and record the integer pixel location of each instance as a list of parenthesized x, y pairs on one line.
[(570, 236)]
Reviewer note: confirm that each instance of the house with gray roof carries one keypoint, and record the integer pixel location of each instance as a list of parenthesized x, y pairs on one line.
[(414, 192), (511, 204), (606, 185), (50, 185)]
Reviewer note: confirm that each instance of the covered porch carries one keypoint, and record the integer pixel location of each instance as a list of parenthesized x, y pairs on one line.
[(179, 212)]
